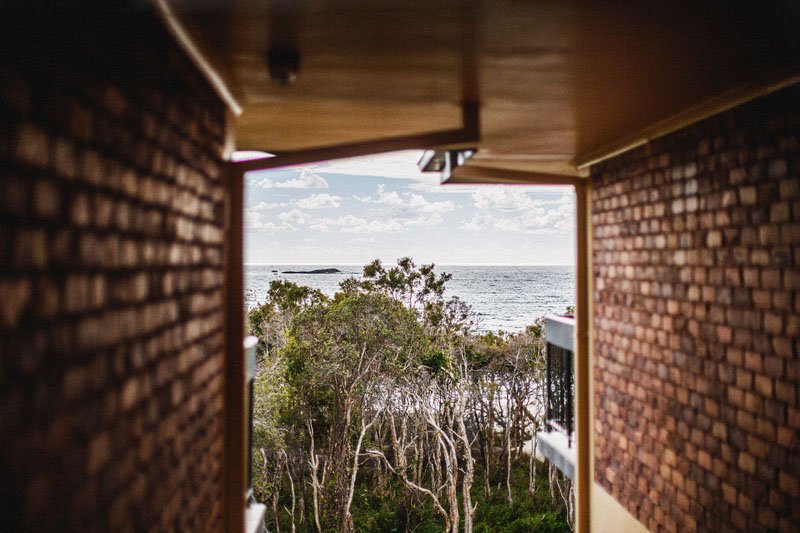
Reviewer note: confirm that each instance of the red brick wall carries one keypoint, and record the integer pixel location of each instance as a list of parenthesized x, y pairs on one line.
[(696, 251), (110, 277)]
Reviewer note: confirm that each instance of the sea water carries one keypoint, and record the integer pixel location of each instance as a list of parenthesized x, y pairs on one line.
[(502, 297)]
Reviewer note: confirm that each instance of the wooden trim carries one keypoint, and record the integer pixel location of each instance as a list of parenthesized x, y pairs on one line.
[(476, 174), (181, 36), (696, 113), (469, 133), (235, 451), (583, 414)]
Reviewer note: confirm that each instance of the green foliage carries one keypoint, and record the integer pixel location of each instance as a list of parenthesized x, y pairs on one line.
[(326, 365), (269, 321), (405, 282), (270, 397), (494, 515)]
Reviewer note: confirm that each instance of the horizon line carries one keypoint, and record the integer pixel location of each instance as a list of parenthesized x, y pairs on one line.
[(421, 263)]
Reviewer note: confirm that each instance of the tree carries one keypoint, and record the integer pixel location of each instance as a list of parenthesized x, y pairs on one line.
[(340, 356), (387, 389)]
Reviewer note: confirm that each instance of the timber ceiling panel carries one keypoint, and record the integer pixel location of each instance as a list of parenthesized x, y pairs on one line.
[(559, 82)]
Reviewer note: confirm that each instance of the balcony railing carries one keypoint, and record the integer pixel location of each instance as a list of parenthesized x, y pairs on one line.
[(556, 441), (560, 390)]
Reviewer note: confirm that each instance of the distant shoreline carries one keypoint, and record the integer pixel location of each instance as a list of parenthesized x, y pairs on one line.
[(437, 264)]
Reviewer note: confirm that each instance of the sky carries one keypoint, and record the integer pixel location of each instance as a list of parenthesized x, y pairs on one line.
[(352, 211)]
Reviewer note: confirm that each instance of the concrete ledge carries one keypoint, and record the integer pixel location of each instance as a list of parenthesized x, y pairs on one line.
[(560, 331), (553, 446), (254, 518)]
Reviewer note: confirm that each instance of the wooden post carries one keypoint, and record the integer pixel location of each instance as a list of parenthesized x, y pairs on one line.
[(235, 442), (583, 411)]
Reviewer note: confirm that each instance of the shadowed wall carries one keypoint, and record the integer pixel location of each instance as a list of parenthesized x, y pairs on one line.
[(111, 282)]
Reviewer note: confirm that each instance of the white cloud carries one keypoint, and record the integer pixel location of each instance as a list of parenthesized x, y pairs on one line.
[(502, 198), (253, 220), (408, 208), (354, 224), (319, 201), (269, 205), (511, 198), (307, 179), (319, 226), (413, 209), (295, 216), (433, 186), (556, 218)]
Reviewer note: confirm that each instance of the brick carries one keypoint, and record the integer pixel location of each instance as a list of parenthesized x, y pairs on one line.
[(764, 385), (789, 484), (80, 214), (30, 248), (98, 453), (773, 323), (787, 437), (777, 169), (786, 392), (789, 188), (46, 199), (748, 195), (773, 366), (32, 145), (15, 295), (757, 447)]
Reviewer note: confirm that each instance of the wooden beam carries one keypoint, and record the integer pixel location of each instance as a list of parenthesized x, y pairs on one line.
[(470, 132), (583, 367), (235, 452), (476, 174), (181, 36)]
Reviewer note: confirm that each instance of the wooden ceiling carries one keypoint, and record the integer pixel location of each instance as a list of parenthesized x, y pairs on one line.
[(560, 83)]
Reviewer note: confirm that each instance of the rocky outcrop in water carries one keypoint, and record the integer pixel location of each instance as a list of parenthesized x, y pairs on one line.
[(317, 271)]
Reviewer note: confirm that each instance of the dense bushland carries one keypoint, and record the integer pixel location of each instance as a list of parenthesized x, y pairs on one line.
[(381, 409)]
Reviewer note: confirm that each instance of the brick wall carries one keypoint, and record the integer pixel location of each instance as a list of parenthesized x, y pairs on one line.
[(696, 251), (110, 276)]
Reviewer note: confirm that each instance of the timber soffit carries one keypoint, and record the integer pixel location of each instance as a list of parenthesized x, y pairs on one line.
[(561, 85)]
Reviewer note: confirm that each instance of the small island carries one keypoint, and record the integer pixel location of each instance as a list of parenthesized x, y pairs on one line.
[(317, 271)]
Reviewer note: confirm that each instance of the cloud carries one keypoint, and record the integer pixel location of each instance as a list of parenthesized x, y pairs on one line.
[(319, 226), (293, 217), (319, 201), (502, 198), (253, 220), (512, 198), (410, 208), (354, 224), (432, 186), (556, 218), (307, 179), (269, 205)]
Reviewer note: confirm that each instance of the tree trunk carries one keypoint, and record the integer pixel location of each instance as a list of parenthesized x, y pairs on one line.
[(532, 472), (291, 485), (508, 451), (469, 470), (313, 463)]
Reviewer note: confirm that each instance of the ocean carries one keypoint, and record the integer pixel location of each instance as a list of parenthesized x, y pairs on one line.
[(503, 297)]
